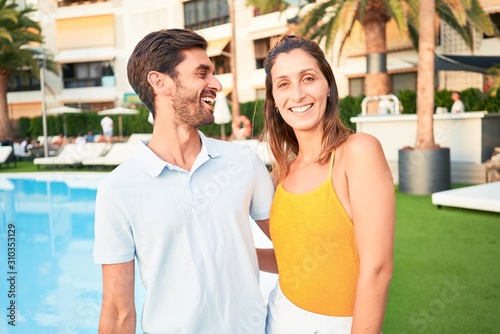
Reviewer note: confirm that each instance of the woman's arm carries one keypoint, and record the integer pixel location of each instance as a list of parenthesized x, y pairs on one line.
[(371, 194), (267, 259)]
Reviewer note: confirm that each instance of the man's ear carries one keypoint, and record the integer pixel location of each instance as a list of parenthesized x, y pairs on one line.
[(160, 82)]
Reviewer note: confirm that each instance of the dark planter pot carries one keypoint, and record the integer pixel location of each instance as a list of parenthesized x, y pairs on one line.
[(423, 172)]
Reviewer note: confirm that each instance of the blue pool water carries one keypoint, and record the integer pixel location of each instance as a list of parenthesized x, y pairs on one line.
[(56, 287)]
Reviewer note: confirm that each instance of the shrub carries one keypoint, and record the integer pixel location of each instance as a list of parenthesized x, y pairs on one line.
[(408, 99), (442, 98), (350, 106), (473, 99)]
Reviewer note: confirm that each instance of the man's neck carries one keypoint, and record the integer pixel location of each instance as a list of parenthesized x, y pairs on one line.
[(176, 145)]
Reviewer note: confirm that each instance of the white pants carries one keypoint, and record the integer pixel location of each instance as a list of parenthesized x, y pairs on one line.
[(284, 317)]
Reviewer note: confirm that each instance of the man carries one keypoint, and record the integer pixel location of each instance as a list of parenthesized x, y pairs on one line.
[(107, 127), (458, 106), (181, 206)]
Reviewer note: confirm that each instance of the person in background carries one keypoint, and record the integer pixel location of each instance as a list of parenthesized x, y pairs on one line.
[(107, 127), (58, 141), (80, 139), (458, 106), (333, 214), (181, 206), (24, 145), (90, 138)]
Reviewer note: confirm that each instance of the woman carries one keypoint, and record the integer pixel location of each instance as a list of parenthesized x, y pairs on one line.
[(332, 218)]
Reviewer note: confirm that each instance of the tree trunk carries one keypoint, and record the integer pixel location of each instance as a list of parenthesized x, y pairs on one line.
[(235, 106), (425, 77), (6, 131), (377, 81)]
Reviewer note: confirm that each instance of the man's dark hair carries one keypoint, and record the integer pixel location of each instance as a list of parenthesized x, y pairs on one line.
[(159, 51)]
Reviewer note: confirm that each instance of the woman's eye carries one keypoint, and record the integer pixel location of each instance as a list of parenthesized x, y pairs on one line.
[(283, 84), (308, 79)]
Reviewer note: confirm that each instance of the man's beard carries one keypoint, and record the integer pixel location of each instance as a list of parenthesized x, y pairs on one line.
[(189, 108)]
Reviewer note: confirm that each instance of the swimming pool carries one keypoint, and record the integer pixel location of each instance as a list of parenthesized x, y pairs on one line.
[(47, 237), (50, 283)]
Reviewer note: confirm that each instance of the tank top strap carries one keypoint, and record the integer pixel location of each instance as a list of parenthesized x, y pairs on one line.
[(332, 158)]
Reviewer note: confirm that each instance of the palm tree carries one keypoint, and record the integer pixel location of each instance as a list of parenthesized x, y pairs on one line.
[(235, 106), (425, 78), (17, 30), (327, 19)]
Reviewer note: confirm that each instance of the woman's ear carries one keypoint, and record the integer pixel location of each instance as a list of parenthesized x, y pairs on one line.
[(160, 82)]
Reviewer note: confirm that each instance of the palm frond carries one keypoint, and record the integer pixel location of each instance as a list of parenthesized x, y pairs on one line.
[(4, 34), (447, 16), (457, 8), (327, 19), (349, 15), (495, 73), (481, 20), (413, 33), (363, 4), (397, 11), (313, 18), (267, 6)]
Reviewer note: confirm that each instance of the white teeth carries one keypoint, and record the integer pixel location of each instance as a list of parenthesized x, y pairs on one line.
[(301, 109), (208, 100)]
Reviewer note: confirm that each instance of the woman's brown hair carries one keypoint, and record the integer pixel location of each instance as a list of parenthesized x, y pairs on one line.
[(281, 137)]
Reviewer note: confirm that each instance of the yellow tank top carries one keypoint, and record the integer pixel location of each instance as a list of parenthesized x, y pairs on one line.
[(315, 248)]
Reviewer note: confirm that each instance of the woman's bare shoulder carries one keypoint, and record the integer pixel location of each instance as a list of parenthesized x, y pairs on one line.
[(362, 143)]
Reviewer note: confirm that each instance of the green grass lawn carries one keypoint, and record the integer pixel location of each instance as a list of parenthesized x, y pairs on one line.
[(23, 166), (26, 166), (447, 270)]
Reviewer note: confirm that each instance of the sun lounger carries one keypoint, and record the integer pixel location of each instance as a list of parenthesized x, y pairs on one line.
[(260, 147), (73, 154), (135, 137), (485, 197), (117, 154), (20, 153), (7, 155)]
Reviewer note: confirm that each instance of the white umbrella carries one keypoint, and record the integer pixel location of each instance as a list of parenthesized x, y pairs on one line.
[(63, 110), (222, 115), (118, 111)]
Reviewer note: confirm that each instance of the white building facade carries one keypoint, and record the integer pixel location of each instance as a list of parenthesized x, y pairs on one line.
[(91, 41)]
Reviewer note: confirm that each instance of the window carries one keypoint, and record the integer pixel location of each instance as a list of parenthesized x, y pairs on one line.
[(356, 86), (404, 81), (199, 14), (221, 62), (261, 47), (79, 75), (27, 83), (495, 18)]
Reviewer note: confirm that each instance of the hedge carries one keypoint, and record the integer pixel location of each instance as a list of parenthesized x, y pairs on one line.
[(349, 106)]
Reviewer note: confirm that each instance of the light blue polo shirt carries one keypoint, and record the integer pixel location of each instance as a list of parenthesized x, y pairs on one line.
[(190, 234)]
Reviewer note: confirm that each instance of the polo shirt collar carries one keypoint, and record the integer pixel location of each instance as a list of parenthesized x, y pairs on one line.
[(154, 166)]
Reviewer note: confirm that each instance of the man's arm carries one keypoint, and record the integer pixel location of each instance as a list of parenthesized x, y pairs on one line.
[(118, 308)]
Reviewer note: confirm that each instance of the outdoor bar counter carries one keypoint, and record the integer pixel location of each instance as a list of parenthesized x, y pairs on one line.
[(471, 136)]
